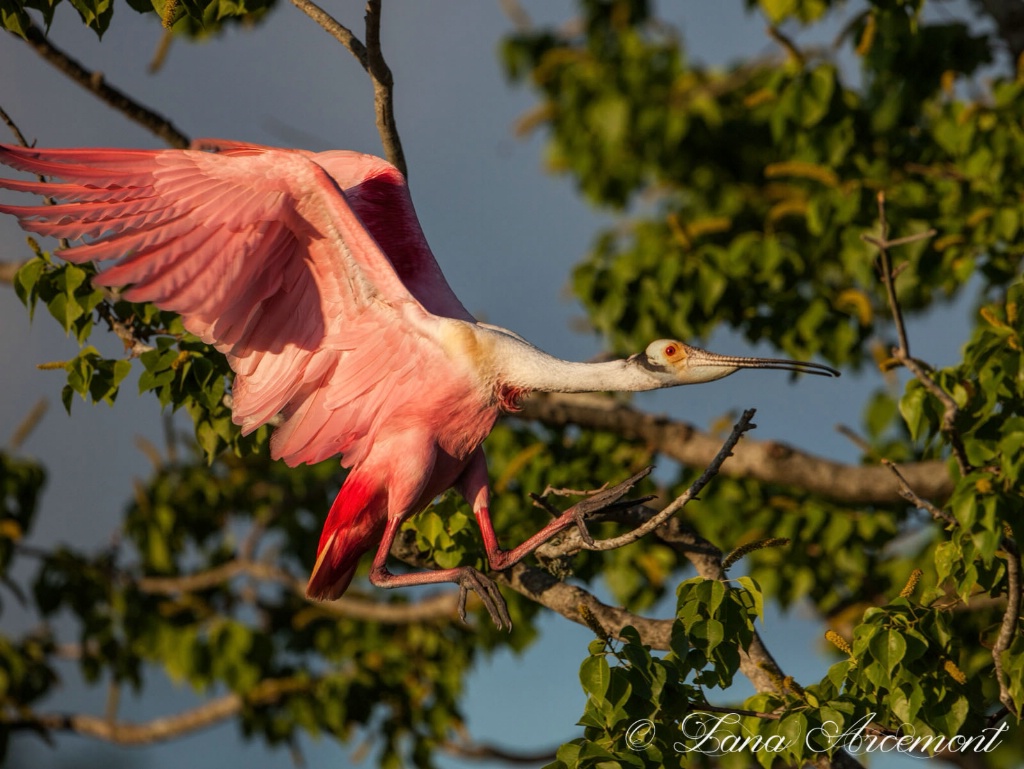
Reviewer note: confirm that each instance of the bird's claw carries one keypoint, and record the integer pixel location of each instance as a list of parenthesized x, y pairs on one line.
[(580, 519), (485, 587), (604, 500)]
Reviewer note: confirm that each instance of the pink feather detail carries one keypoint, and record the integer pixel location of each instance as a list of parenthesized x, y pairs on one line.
[(311, 273), (354, 525)]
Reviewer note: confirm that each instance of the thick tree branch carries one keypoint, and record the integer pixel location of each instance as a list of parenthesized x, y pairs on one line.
[(766, 461), (441, 606), (218, 710), (166, 728), (575, 603), (94, 82), (482, 751)]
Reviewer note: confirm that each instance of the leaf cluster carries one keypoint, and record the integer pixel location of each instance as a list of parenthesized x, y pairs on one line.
[(192, 18), (155, 604), (181, 370), (751, 187), (635, 698), (749, 191)]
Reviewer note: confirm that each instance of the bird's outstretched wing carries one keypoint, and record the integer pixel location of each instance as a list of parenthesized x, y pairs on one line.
[(267, 256)]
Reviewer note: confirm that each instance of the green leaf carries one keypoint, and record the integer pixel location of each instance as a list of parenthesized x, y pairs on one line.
[(888, 647), (95, 13), (28, 275), (595, 675), (711, 632), (912, 409), (754, 591)]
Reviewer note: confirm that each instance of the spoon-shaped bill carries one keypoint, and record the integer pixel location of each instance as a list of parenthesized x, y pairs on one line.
[(699, 357)]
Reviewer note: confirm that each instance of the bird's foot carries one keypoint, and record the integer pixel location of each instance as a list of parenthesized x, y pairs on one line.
[(603, 500), (485, 587)]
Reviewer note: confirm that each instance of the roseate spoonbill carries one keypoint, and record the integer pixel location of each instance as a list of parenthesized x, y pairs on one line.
[(310, 272)]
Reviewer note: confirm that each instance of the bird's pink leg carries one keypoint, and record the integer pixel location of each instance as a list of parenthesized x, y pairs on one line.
[(474, 487), (466, 577)]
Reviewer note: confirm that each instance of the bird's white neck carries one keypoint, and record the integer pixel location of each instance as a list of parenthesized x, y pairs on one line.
[(520, 365)]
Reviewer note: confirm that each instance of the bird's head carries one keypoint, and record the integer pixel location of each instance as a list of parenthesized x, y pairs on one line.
[(676, 363)]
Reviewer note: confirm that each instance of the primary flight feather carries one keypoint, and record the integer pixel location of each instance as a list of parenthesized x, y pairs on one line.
[(310, 272)]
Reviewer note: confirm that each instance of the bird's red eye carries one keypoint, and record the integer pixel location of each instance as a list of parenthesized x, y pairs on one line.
[(670, 350)]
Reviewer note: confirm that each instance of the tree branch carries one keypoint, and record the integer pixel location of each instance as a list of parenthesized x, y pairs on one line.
[(165, 728), (94, 82), (18, 135), (1008, 628), (756, 662), (902, 352), (371, 59), (383, 89), (218, 710), (482, 751), (575, 603), (766, 461), (26, 426), (335, 29), (691, 493), (950, 411), (908, 493), (441, 606)]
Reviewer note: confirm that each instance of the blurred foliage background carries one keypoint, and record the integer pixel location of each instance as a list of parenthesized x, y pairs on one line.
[(745, 193)]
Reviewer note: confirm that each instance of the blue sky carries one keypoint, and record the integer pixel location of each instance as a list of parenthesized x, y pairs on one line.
[(505, 233)]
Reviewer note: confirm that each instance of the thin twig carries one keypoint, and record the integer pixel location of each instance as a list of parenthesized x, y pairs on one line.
[(853, 437), (742, 426), (919, 502), (18, 135), (163, 47), (902, 352), (1011, 616), (27, 425), (95, 83), (371, 59), (335, 29), (885, 268), (950, 411), (1008, 628), (787, 44), (383, 90)]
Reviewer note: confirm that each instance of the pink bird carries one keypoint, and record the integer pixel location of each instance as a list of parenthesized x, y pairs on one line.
[(310, 272)]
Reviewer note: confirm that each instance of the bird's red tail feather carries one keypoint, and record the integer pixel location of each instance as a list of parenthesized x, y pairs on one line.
[(354, 525)]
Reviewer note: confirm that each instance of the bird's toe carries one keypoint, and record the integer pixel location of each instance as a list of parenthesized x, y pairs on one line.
[(490, 596)]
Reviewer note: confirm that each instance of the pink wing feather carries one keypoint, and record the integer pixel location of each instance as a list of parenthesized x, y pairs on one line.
[(309, 271)]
